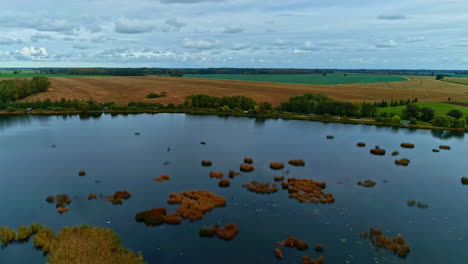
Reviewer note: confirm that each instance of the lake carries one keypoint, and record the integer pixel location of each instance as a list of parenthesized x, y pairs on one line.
[(117, 159)]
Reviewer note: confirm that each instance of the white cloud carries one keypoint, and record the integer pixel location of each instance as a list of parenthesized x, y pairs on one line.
[(32, 53), (391, 17), (10, 41), (233, 30), (132, 26), (172, 24), (199, 44), (188, 1), (281, 42), (239, 46), (387, 44), (39, 36), (81, 47)]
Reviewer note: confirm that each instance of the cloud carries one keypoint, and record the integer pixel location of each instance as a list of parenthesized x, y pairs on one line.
[(391, 17), (239, 46), (39, 36), (93, 28), (173, 24), (10, 41), (31, 53), (81, 47), (199, 44), (387, 44), (309, 45), (188, 1), (132, 26), (281, 42), (300, 51), (233, 30), (414, 39)]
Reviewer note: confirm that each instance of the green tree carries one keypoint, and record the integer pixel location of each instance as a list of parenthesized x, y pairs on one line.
[(368, 110), (455, 113), (427, 114), (411, 111), (396, 119)]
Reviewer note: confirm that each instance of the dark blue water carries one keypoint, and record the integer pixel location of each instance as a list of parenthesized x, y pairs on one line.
[(108, 150)]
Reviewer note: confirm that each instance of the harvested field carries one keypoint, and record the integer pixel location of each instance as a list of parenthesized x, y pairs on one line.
[(134, 89)]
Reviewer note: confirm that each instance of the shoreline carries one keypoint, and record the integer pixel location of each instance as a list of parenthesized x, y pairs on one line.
[(283, 116)]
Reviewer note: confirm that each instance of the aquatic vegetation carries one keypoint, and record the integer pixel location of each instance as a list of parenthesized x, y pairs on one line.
[(444, 147), (227, 232), (330, 137), (224, 183), (396, 245), (246, 167), (307, 190), (319, 247), (195, 204), (248, 160), (203, 142), (35, 227), (278, 253), (285, 185), (233, 174), (297, 162), (411, 203), (137, 133), (257, 187), (435, 150), (407, 145), (158, 216), (206, 163), (24, 232), (217, 175), (208, 231), (279, 178), (367, 183), (464, 180), (82, 173), (395, 153), (294, 242), (118, 197), (378, 151), (62, 210), (7, 235), (308, 260), (421, 205), (84, 244), (50, 199), (62, 200), (92, 196), (276, 165), (361, 144), (162, 178), (402, 162)]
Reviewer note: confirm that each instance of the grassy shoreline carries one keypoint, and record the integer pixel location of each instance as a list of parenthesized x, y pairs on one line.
[(284, 116)]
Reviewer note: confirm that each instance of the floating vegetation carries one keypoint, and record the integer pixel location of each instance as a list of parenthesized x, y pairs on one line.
[(50, 199), (84, 244), (319, 247), (158, 216), (217, 175), (257, 187), (308, 260), (361, 144), (444, 147), (407, 145), (330, 137), (162, 178), (307, 190), (61, 200), (395, 153), (419, 204), (233, 174), (402, 162), (224, 183), (435, 150), (290, 242), (297, 162), (422, 205), (246, 167), (279, 178), (62, 210), (378, 151), (248, 160), (35, 227), (276, 165), (92, 196), (195, 204), (285, 185), (367, 183), (7, 235), (278, 253), (24, 232), (82, 173), (226, 232), (397, 245), (206, 163), (464, 180), (411, 203), (118, 197), (136, 133), (203, 142)]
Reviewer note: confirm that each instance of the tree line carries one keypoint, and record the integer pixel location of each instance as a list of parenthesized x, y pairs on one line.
[(12, 90)]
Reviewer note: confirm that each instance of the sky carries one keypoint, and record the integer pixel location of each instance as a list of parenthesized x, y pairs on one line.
[(338, 34)]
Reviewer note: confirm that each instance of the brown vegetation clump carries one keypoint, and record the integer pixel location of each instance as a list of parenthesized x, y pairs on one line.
[(395, 153), (233, 174), (82, 173), (276, 165), (435, 150), (407, 145), (195, 204), (307, 190), (367, 183), (162, 178), (206, 163), (294, 242), (7, 235), (50, 199), (158, 216), (361, 144), (217, 175), (62, 210), (118, 197), (248, 160), (308, 260), (330, 137), (257, 187), (226, 232), (402, 162), (24, 232), (279, 178), (62, 200), (396, 245), (246, 167), (464, 180), (319, 247), (444, 147), (378, 151), (278, 253), (84, 244), (92, 196), (208, 231), (297, 162), (224, 183), (285, 185)]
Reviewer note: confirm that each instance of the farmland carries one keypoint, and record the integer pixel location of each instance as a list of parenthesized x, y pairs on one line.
[(134, 89), (456, 80), (31, 73), (316, 79), (440, 108)]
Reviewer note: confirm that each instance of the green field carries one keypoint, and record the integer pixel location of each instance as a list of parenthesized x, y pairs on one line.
[(30, 73), (319, 79), (439, 108), (456, 80)]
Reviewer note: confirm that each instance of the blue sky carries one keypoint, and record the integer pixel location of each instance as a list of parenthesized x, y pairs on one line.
[(409, 34)]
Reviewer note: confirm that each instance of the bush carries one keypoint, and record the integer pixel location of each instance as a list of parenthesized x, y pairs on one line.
[(413, 121), (396, 119), (24, 232), (455, 113)]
